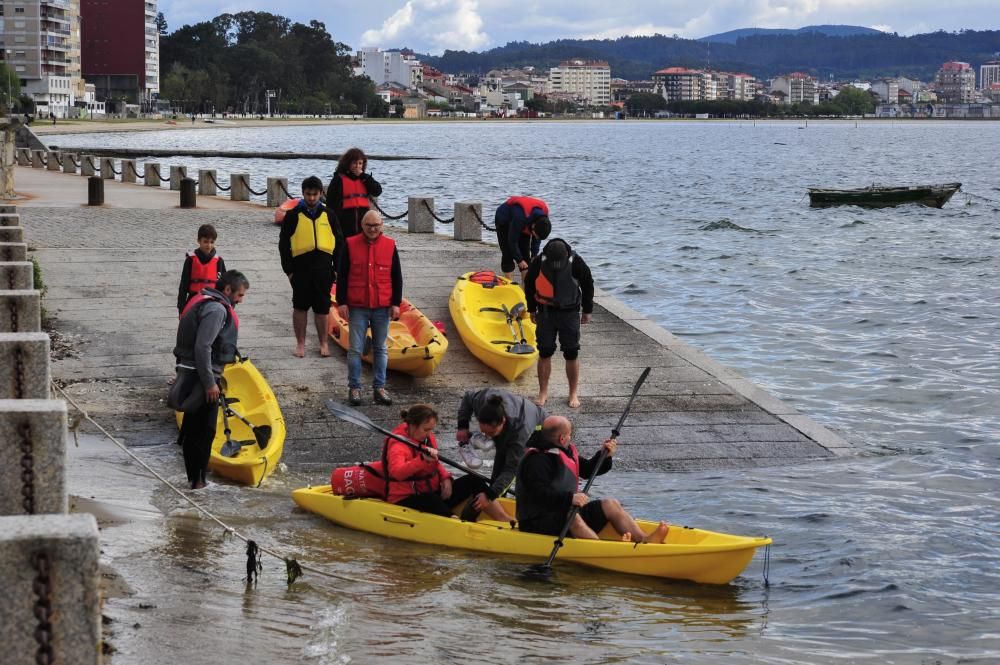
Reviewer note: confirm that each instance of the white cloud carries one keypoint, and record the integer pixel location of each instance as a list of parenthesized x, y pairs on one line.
[(441, 24)]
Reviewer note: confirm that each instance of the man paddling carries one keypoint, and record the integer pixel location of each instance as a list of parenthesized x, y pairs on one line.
[(548, 483)]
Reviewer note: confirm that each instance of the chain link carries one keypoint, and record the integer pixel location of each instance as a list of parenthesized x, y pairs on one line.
[(216, 183), (43, 607), (480, 220), (431, 211), (246, 181), (386, 215), (27, 470), (19, 378), (284, 189), (140, 176), (14, 318), (156, 170)]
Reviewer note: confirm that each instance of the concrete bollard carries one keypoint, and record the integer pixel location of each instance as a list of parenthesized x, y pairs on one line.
[(467, 216), (17, 275), (34, 434), (24, 366), (177, 173), (108, 168), (49, 569), (418, 217), (55, 161), (10, 220), (240, 186), (24, 157), (6, 209), (13, 251), (95, 191), (69, 162), (38, 159), (12, 234), (276, 188), (189, 197), (20, 312), (152, 173), (128, 170), (206, 182), (88, 166)]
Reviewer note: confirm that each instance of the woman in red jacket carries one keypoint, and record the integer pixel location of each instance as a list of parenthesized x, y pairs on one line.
[(350, 191), (417, 479)]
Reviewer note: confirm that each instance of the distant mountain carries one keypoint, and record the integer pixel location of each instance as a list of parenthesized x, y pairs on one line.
[(828, 30)]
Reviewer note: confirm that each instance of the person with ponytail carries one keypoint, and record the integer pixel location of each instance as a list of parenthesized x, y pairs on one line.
[(415, 478), (509, 420)]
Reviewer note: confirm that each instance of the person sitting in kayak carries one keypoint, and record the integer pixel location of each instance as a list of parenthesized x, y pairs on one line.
[(548, 482), (417, 479), (509, 420)]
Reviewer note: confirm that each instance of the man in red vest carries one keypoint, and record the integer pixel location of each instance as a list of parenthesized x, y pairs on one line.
[(522, 222), (369, 290)]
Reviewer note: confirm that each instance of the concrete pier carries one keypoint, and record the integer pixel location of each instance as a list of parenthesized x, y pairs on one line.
[(418, 215)]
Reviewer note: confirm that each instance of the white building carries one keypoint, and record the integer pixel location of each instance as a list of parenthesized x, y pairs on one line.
[(389, 67), (587, 80), (796, 87), (887, 90), (956, 82), (989, 73)]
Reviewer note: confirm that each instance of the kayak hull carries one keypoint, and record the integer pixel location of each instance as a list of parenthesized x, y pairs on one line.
[(688, 554), (477, 313)]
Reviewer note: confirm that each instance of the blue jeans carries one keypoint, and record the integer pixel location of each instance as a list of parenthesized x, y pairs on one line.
[(361, 318)]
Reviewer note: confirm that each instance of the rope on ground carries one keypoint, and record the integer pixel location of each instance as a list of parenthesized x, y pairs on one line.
[(479, 219), (431, 211), (292, 567), (217, 185), (246, 181), (386, 215)]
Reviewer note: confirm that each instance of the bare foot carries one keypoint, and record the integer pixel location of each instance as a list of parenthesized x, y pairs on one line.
[(659, 533), (541, 399), (324, 351), (300, 351), (574, 402), (626, 537)]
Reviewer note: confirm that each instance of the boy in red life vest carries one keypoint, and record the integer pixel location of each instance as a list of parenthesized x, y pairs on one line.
[(522, 223), (202, 268), (548, 483), (350, 191), (369, 292), (557, 285), (309, 244), (417, 479)]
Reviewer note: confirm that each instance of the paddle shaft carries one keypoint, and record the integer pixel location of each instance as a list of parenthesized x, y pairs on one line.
[(597, 467)]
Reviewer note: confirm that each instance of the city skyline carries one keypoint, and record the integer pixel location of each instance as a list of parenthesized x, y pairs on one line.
[(431, 26)]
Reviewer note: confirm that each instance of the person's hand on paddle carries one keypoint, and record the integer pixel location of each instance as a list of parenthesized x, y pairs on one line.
[(611, 445), (580, 500), (480, 501), (586, 318), (344, 311), (429, 454), (446, 489), (394, 312), (462, 436), (212, 394)]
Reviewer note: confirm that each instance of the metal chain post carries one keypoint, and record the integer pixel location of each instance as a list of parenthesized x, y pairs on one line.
[(27, 470), (43, 607), (431, 211), (386, 215)]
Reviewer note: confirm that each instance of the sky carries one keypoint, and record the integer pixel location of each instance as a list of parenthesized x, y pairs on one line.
[(431, 26)]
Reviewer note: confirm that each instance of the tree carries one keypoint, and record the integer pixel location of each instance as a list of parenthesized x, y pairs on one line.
[(645, 103), (161, 23), (10, 86), (853, 101)]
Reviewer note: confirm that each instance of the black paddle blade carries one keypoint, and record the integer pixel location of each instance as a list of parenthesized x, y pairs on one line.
[(230, 448), (521, 349), (540, 572), (263, 435)]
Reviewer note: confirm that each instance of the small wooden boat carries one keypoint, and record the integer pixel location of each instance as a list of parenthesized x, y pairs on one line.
[(416, 346), (934, 196), (249, 396), (687, 554), (489, 316)]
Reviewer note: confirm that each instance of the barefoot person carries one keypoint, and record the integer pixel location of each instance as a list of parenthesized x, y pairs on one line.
[(309, 245), (557, 285), (548, 482)]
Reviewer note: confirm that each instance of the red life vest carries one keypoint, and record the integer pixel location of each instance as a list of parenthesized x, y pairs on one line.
[(527, 204), (355, 193), (369, 277), (201, 298), (427, 479), (202, 274)]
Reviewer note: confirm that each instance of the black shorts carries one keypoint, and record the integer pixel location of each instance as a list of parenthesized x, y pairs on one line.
[(506, 260), (551, 322), (311, 290), (464, 487), (592, 514)]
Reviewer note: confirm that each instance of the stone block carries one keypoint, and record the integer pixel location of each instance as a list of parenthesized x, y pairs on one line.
[(128, 170), (177, 173), (7, 209), (88, 165), (418, 216), (33, 482), (467, 224), (69, 162), (13, 251), (10, 219), (108, 168), (24, 157), (12, 234), (55, 161), (17, 275), (24, 366), (20, 311), (276, 188), (153, 175), (49, 570), (207, 182), (38, 159), (240, 186)]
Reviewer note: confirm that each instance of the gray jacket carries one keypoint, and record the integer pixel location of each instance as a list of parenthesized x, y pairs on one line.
[(523, 418), (206, 338)]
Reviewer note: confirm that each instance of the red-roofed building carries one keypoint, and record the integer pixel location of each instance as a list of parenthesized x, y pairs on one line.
[(956, 82)]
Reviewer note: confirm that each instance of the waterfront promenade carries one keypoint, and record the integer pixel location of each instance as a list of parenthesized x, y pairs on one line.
[(112, 274)]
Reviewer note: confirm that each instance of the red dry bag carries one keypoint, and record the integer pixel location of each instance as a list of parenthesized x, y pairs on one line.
[(363, 480)]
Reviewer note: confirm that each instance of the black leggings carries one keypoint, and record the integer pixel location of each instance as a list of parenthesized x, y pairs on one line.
[(428, 502), (197, 433)]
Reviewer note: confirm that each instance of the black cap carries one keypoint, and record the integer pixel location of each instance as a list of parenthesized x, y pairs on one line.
[(556, 252)]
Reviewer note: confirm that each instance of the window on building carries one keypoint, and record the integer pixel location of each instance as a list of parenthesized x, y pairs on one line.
[(18, 10)]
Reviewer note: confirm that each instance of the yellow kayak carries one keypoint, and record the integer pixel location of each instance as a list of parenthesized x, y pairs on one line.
[(250, 396), (480, 312), (687, 554), (415, 345)]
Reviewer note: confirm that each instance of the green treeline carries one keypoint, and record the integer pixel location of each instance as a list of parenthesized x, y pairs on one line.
[(229, 63), (849, 102), (763, 56)]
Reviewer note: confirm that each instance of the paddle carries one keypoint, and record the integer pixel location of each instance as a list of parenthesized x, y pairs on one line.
[(230, 448), (519, 346), (544, 570), (261, 433), (355, 417)]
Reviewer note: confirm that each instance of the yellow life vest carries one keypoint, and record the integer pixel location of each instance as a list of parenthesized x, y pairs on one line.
[(310, 236)]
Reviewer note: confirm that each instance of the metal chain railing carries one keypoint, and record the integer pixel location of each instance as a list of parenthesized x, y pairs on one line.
[(284, 189), (480, 220), (140, 176), (216, 183), (27, 469), (246, 181), (386, 215), (42, 587), (19, 375), (431, 211), (75, 163), (58, 158), (113, 169), (156, 170)]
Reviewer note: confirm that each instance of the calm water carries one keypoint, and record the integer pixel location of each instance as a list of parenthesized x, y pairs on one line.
[(883, 325)]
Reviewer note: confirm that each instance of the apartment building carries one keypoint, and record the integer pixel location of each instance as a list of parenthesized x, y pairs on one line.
[(795, 88), (887, 90), (589, 81), (956, 82), (389, 67), (989, 73), (121, 49), (680, 84), (41, 44)]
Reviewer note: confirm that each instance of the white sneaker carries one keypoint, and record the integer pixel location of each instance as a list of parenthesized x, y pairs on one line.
[(481, 442), (469, 456)]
